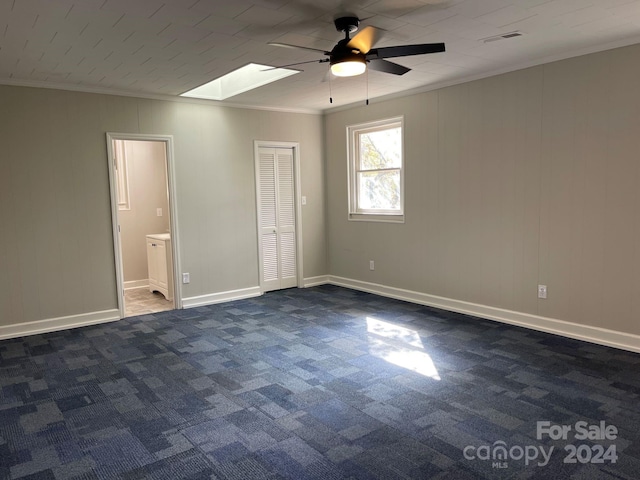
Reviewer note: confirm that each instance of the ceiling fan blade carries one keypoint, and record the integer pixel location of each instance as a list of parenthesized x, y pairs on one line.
[(365, 39), (288, 45), (388, 67), (405, 50), (323, 60)]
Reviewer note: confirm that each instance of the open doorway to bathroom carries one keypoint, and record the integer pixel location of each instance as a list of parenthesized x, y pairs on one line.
[(143, 224)]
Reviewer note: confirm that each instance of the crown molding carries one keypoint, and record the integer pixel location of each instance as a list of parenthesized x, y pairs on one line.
[(151, 96)]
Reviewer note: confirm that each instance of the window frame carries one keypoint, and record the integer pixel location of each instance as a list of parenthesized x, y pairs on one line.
[(356, 213)]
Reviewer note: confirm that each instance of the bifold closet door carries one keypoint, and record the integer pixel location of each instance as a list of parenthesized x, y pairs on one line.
[(276, 203)]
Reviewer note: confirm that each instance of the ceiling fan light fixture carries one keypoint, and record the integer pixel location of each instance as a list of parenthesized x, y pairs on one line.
[(349, 68)]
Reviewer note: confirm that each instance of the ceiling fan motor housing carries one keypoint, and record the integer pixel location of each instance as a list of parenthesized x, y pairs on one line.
[(343, 53)]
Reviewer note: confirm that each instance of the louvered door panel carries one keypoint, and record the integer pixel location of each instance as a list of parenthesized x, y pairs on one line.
[(286, 210), (267, 190), (288, 260), (268, 210), (286, 219), (269, 257)]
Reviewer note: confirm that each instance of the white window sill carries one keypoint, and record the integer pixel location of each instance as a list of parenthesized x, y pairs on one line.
[(374, 217)]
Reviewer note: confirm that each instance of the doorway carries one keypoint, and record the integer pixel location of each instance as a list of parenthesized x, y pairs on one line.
[(277, 167), (143, 211)]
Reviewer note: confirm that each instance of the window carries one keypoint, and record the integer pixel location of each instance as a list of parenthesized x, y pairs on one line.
[(122, 173), (376, 171)]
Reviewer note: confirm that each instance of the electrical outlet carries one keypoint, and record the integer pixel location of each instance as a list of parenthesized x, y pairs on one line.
[(185, 278), (159, 212), (542, 291), (304, 200), (372, 266)]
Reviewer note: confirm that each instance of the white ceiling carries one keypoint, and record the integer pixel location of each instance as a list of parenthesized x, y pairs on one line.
[(165, 47)]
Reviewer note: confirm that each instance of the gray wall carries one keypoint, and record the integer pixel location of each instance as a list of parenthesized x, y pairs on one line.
[(524, 178), (56, 245), (147, 178)]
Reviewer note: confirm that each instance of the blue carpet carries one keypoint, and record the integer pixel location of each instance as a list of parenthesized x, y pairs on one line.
[(322, 383)]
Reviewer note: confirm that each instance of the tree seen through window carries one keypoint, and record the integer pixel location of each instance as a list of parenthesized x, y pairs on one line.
[(380, 161)]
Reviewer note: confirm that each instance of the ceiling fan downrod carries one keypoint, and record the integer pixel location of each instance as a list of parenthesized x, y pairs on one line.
[(347, 25)]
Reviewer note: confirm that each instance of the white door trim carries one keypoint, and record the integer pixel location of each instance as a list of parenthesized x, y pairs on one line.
[(257, 144), (168, 141)]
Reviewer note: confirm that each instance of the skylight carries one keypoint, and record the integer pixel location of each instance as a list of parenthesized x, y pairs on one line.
[(239, 81)]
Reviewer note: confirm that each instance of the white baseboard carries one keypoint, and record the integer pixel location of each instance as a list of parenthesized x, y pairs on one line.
[(136, 284), (60, 323), (600, 336), (315, 281), (220, 297)]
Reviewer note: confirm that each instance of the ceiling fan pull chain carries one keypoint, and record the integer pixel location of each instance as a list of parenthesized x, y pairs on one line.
[(367, 79), (330, 92)]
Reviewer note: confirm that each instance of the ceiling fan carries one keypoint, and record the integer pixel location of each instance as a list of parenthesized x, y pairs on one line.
[(352, 56)]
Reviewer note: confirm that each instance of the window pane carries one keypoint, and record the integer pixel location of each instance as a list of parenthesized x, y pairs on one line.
[(379, 190), (381, 149)]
